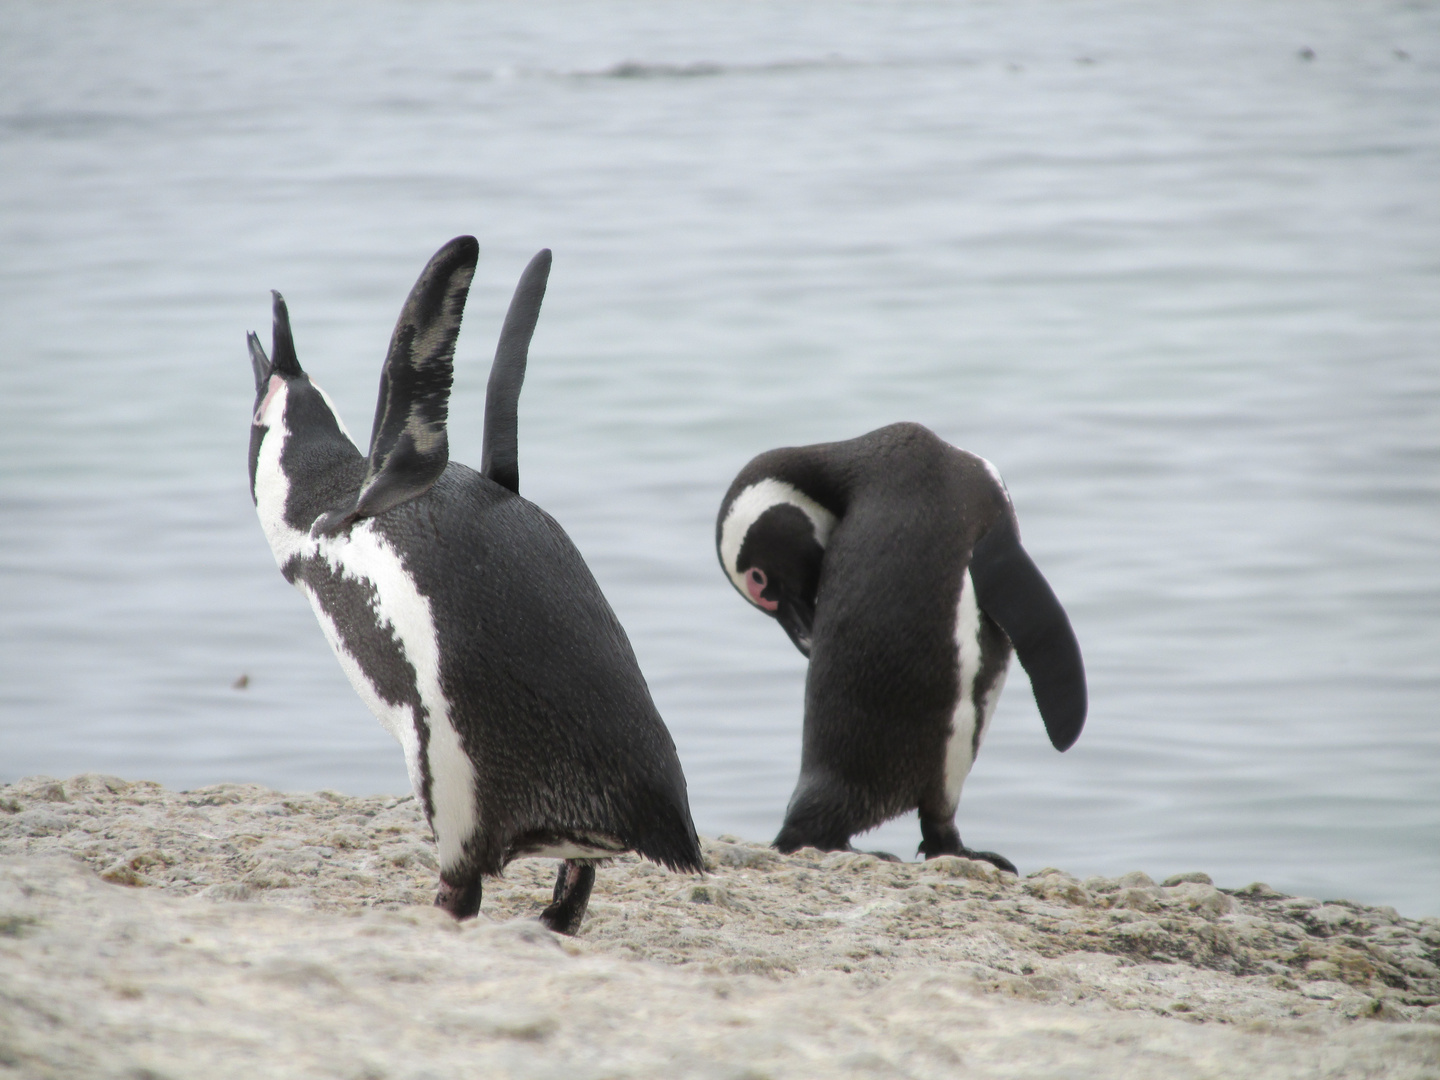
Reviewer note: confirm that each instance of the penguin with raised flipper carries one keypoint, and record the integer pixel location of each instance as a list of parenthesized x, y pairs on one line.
[(462, 614), (894, 563)]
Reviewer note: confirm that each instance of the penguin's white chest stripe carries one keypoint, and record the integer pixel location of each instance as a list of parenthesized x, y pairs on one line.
[(399, 609), (388, 607), (967, 724)]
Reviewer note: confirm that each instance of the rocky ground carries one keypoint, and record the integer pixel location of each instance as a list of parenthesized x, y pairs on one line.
[(237, 931)]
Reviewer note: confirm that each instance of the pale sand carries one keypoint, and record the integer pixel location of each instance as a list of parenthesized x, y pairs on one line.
[(236, 931)]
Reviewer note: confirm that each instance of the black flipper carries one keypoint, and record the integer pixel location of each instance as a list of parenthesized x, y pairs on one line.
[(408, 445), (1010, 589), (501, 458)]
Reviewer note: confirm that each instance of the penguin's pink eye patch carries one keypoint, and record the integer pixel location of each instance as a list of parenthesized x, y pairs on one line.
[(276, 385), (755, 582)]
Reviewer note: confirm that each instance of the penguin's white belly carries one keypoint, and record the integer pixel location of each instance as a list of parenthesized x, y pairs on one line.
[(974, 705), (401, 612), (571, 850)]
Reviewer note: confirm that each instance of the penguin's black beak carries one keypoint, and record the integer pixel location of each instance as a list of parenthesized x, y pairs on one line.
[(259, 364), (797, 617)]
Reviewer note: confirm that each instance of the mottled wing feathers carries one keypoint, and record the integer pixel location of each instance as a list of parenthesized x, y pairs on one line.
[(501, 458), (1011, 590), (408, 445)]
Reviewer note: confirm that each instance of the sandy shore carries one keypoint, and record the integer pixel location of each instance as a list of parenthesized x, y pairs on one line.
[(237, 931)]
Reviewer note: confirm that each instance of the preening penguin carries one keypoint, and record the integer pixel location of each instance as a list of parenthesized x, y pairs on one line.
[(894, 563), (462, 614)]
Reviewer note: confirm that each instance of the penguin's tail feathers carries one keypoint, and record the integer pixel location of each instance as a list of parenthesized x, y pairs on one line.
[(666, 835), (689, 862), (680, 853), (1011, 590)]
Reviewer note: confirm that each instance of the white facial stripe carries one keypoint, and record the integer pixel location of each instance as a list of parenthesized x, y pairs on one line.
[(365, 556), (272, 489), (746, 510), (276, 385)]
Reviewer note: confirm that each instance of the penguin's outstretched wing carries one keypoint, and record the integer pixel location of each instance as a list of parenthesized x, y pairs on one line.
[(408, 445), (501, 458), (1011, 590)]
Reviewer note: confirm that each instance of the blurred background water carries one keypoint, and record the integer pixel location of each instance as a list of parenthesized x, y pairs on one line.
[(1175, 269)]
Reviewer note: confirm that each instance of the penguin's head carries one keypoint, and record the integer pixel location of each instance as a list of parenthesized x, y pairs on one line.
[(289, 408), (771, 539)]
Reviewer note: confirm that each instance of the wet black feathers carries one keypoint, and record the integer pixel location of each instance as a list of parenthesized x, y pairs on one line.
[(501, 458), (544, 686)]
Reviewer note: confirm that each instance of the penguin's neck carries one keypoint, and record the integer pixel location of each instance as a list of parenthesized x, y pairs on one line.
[(301, 470), (817, 476)]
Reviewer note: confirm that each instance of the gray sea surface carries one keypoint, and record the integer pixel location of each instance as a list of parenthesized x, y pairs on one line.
[(1173, 268)]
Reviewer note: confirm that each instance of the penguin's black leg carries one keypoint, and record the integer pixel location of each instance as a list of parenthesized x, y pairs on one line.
[(798, 833), (460, 899), (820, 815), (938, 836), (572, 893)]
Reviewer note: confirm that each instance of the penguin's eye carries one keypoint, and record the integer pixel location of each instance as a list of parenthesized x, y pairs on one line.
[(755, 582)]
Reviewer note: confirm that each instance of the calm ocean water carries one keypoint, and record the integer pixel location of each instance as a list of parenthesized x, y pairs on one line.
[(1176, 278)]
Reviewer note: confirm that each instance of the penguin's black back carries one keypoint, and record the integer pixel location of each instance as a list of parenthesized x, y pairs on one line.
[(883, 680), (544, 688)]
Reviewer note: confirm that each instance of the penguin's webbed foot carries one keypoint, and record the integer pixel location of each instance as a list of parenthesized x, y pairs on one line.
[(572, 895), (997, 861), (940, 837), (461, 900), (881, 855)]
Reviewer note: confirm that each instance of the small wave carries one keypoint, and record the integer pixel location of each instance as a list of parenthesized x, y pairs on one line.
[(661, 69), (67, 124), (638, 69), (635, 69)]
